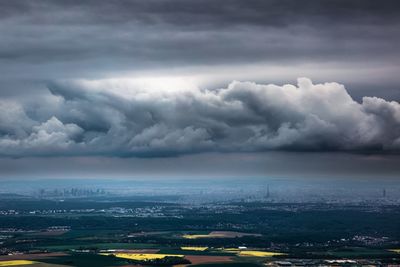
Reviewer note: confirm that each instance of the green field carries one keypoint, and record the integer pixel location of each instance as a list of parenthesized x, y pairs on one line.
[(85, 260), (98, 246)]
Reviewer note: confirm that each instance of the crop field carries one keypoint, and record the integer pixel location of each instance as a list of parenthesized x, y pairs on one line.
[(33, 257), (200, 259), (257, 253), (195, 248), (96, 245), (219, 234), (16, 263), (141, 256), (82, 260), (251, 253)]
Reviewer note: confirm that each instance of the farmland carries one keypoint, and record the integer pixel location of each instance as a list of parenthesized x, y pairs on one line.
[(218, 234), (195, 248), (115, 233), (16, 262)]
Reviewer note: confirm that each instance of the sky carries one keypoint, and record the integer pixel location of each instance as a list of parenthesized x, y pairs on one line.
[(103, 89)]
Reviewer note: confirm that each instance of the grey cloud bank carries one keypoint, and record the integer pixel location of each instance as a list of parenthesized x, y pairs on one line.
[(51, 40), (80, 93), (130, 118)]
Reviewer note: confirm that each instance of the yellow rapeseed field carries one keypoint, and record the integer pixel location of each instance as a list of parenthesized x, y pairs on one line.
[(257, 253), (203, 236), (16, 262), (141, 256), (195, 248), (251, 253), (230, 249)]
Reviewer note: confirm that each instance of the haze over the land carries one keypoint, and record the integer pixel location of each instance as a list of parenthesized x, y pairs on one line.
[(194, 88)]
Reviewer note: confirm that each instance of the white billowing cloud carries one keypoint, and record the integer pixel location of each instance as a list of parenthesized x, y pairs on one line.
[(53, 134), (46, 138), (171, 117)]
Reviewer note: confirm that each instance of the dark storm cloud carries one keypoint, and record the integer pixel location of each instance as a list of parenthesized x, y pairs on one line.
[(186, 13), (126, 118), (43, 42), (46, 40)]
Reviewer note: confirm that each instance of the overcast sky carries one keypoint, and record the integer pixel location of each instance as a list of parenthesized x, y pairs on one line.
[(194, 88)]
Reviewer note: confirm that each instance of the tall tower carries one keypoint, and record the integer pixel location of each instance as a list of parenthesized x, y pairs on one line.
[(384, 192)]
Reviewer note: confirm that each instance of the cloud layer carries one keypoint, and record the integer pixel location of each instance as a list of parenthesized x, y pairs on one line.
[(166, 118), (352, 41)]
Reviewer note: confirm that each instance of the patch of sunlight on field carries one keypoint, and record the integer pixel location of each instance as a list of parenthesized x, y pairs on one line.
[(251, 253), (203, 236), (194, 236), (195, 248), (257, 253), (16, 263), (141, 256), (230, 249), (397, 250), (219, 234)]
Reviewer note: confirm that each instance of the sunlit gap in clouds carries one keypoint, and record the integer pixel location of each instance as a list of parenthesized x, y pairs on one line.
[(219, 75), (131, 87)]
